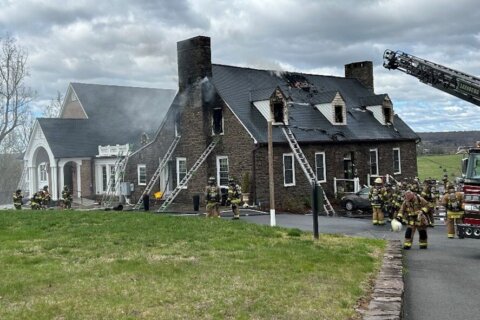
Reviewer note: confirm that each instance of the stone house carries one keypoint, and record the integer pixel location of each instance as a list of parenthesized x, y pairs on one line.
[(345, 130), (96, 124)]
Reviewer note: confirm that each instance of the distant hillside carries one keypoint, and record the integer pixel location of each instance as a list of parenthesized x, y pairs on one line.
[(446, 142)]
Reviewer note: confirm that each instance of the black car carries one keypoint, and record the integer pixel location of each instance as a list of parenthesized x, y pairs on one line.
[(357, 201)]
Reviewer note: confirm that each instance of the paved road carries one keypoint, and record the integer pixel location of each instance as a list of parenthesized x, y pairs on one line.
[(441, 283)]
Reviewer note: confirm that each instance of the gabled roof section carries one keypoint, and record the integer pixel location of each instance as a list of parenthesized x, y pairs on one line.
[(241, 87), (116, 115), (374, 100)]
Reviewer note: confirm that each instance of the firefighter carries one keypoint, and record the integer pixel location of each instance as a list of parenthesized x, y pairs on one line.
[(376, 197), (36, 201), (453, 202), (413, 212), (388, 201), (234, 197), (46, 198), (445, 183), (428, 195), (67, 198), (17, 199), (212, 197)]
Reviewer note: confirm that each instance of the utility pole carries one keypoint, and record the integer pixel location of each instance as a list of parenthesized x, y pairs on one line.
[(270, 173)]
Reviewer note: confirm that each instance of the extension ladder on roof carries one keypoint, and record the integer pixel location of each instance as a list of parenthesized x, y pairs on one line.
[(158, 172), (189, 174), (307, 169), (114, 184)]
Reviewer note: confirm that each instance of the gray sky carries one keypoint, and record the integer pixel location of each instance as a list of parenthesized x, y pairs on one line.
[(134, 43)]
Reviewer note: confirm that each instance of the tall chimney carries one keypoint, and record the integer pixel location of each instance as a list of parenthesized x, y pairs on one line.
[(362, 71), (194, 60)]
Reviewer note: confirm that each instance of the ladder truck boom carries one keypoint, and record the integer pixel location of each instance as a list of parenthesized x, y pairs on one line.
[(456, 83)]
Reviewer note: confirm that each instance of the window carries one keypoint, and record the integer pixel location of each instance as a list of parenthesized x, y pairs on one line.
[(142, 174), (104, 178), (217, 121), (338, 114), (222, 170), (288, 170), (374, 162), (320, 166), (42, 172), (387, 113), (181, 170), (397, 168), (278, 112)]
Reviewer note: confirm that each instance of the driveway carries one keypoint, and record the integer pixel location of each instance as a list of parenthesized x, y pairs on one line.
[(442, 282)]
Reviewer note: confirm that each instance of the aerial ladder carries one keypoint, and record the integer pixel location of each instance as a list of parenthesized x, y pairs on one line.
[(183, 183), (307, 169), (456, 83), (157, 172)]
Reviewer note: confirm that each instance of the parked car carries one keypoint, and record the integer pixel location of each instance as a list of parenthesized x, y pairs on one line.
[(357, 201)]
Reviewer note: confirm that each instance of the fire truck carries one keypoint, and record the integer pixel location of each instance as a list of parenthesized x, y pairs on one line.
[(465, 87)]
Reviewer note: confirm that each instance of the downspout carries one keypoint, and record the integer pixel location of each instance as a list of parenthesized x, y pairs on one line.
[(57, 182)]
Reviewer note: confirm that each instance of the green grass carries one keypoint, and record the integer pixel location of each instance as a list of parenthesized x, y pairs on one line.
[(435, 166), (119, 265)]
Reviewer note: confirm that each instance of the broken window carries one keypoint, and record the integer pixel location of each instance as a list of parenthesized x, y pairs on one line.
[(217, 121), (387, 113), (278, 115), (338, 114)]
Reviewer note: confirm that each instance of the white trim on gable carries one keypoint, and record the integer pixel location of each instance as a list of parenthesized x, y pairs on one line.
[(68, 98), (328, 110), (263, 107)]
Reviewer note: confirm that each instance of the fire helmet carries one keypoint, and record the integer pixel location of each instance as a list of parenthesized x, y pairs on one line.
[(396, 225), (378, 180)]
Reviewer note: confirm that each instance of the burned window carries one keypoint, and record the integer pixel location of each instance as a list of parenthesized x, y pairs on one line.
[(338, 114), (217, 121), (387, 113), (278, 114)]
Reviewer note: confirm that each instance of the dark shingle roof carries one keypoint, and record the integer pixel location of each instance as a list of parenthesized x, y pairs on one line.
[(116, 115), (239, 87)]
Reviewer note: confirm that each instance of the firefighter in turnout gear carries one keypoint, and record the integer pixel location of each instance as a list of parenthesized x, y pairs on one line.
[(36, 200), (453, 202), (428, 195), (46, 198), (234, 197), (17, 199), (376, 197), (67, 198), (414, 211), (212, 197)]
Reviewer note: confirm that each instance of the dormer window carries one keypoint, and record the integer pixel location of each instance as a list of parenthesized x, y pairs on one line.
[(388, 115), (278, 113), (338, 114)]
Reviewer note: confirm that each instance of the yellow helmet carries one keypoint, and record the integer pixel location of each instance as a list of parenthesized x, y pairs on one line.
[(378, 180)]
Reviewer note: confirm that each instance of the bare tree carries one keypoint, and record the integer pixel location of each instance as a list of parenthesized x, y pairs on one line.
[(52, 110), (14, 95)]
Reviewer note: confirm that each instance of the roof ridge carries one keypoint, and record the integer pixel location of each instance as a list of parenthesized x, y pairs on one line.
[(119, 86)]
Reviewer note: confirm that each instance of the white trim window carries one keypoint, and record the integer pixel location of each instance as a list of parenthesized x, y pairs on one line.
[(222, 170), (374, 162), (42, 174), (142, 174), (181, 170), (397, 165), (320, 168), (288, 170)]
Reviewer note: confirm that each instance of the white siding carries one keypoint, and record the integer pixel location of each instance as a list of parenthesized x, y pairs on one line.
[(377, 113), (264, 108)]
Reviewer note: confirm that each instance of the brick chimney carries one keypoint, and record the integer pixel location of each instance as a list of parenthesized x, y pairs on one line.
[(362, 71), (194, 60)]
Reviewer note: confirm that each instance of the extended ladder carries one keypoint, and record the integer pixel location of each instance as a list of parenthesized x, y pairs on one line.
[(157, 172), (189, 174), (114, 184), (307, 169)]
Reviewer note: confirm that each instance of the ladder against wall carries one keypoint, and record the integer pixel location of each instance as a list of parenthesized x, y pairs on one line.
[(189, 174), (114, 184), (307, 169), (158, 172)]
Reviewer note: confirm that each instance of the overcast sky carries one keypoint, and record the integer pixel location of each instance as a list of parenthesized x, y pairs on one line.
[(133, 43)]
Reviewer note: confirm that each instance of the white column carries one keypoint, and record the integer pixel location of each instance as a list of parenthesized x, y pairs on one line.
[(54, 182), (32, 177), (61, 172), (79, 180)]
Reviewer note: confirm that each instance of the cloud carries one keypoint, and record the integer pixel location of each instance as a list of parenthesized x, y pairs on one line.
[(134, 42)]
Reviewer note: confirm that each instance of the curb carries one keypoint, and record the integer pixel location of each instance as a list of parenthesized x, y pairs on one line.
[(387, 298)]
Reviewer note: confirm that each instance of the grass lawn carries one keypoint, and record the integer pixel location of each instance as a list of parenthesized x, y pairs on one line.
[(120, 265), (434, 166)]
